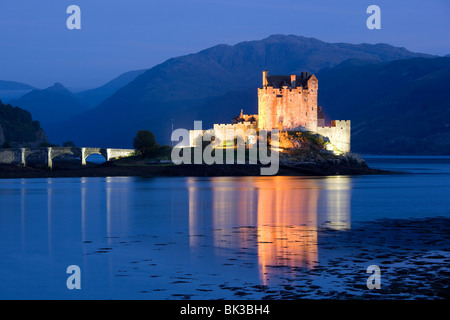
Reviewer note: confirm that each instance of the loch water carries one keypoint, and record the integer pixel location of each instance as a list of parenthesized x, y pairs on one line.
[(191, 237)]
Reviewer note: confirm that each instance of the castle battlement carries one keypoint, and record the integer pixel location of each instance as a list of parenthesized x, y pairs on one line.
[(336, 123), (234, 126), (282, 90), (224, 126)]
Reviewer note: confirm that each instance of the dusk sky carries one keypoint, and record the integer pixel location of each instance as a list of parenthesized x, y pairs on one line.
[(119, 36)]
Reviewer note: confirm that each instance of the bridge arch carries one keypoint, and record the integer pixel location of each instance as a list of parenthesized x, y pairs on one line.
[(86, 152), (39, 153), (95, 158), (20, 155)]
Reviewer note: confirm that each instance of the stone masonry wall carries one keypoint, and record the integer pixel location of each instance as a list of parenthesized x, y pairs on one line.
[(220, 132), (339, 134), (290, 108)]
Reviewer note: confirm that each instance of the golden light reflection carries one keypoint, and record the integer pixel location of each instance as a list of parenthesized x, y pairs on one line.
[(196, 204), (278, 217), (287, 220)]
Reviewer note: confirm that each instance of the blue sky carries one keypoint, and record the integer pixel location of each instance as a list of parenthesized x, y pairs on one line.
[(118, 36)]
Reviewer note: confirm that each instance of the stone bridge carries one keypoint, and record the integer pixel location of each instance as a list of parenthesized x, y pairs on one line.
[(19, 155)]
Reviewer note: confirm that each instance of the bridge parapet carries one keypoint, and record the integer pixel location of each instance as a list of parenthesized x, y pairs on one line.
[(19, 156), (66, 150), (119, 153)]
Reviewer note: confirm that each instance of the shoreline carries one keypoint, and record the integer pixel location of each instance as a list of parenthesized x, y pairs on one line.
[(110, 169)]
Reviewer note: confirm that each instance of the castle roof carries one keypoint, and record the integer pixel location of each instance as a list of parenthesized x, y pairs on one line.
[(281, 81)]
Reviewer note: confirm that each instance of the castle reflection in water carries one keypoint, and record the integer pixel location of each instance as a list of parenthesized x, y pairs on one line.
[(277, 217), (266, 223)]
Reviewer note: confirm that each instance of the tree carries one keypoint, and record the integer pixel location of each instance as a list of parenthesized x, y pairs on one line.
[(145, 143), (7, 145)]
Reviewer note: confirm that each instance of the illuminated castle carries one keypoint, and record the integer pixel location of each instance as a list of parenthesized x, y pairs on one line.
[(288, 103)]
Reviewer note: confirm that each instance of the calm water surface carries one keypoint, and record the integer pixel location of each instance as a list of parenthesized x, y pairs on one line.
[(162, 238)]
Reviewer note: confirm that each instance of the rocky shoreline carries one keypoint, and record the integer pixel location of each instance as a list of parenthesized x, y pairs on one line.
[(111, 169)]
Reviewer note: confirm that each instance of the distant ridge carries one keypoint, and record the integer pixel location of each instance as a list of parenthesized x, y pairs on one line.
[(180, 88), (398, 107), (10, 90), (93, 97), (51, 105), (12, 85)]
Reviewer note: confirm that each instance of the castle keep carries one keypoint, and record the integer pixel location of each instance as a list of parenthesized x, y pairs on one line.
[(287, 103)]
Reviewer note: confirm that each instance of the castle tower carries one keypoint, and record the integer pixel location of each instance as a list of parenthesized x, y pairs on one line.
[(289, 102)]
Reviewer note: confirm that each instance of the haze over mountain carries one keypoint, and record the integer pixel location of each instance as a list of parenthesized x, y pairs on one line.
[(93, 97), (398, 107), (10, 90), (181, 87), (12, 85), (51, 105)]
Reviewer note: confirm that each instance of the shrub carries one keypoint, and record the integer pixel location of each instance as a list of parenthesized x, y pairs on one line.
[(6, 145), (145, 143)]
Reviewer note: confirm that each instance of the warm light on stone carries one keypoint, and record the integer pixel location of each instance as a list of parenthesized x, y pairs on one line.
[(286, 103)]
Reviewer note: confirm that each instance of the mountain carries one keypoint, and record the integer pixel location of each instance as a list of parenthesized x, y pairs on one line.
[(181, 88), (11, 85), (51, 105), (399, 107), (94, 97), (10, 90), (17, 127), (247, 100)]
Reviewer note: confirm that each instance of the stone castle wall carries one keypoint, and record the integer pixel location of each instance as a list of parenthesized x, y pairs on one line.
[(195, 137), (288, 108), (339, 134), (220, 132)]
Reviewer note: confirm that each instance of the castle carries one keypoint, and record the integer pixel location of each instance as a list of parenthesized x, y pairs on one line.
[(287, 103)]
